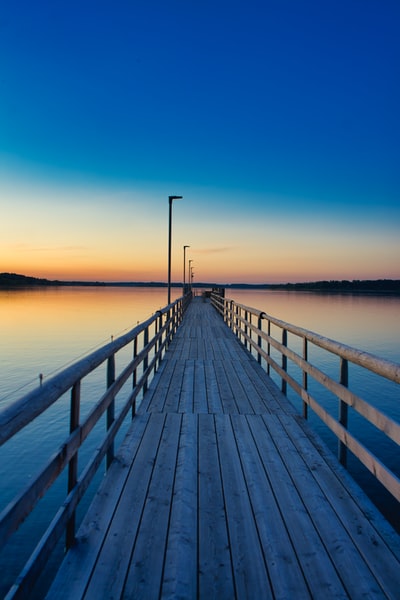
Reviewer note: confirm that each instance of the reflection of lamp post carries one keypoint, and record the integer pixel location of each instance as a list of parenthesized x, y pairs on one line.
[(170, 199), (184, 267)]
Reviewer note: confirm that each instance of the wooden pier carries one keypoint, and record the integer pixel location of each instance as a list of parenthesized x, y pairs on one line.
[(221, 490)]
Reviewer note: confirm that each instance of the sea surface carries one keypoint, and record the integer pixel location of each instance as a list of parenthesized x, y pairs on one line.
[(44, 330)]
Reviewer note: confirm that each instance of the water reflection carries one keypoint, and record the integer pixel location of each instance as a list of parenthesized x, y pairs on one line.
[(44, 329), (367, 322)]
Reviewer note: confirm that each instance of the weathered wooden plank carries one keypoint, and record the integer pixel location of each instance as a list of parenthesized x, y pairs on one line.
[(215, 568), (225, 392), (287, 579), (238, 391), (78, 565), (213, 395), (158, 388), (159, 377), (144, 576), (230, 346), (180, 570), (249, 384), (315, 562), (172, 395), (187, 388), (339, 545), (267, 389), (355, 511), (200, 392), (249, 569), (108, 576)]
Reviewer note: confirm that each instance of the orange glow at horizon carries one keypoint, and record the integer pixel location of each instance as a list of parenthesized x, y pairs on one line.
[(84, 238)]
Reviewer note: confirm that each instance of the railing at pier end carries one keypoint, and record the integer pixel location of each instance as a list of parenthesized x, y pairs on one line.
[(123, 386), (279, 350)]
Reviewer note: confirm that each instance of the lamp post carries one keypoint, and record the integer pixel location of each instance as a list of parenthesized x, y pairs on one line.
[(184, 267), (170, 200)]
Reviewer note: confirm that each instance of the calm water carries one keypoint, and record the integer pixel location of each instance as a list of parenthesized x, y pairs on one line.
[(44, 330)]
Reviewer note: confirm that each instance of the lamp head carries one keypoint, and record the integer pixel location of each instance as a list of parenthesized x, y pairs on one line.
[(175, 198)]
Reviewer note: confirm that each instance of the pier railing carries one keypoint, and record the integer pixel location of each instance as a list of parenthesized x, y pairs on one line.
[(253, 328), (149, 341)]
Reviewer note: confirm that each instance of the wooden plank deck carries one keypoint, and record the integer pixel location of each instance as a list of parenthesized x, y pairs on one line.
[(222, 491)]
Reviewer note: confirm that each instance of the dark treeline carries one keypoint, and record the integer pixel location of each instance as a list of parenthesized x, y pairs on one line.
[(356, 285), (13, 280)]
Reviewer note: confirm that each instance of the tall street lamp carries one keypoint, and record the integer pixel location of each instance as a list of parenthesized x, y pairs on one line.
[(170, 199), (184, 266)]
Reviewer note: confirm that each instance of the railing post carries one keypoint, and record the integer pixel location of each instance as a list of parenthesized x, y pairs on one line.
[(237, 313), (232, 324), (156, 346), (146, 358), (168, 330), (259, 339), (305, 376), (111, 408), (246, 316), (343, 410), (160, 342), (250, 333), (284, 360), (178, 316), (73, 463), (134, 376), (268, 345)]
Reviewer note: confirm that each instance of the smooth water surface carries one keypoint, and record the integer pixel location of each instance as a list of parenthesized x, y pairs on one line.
[(43, 330)]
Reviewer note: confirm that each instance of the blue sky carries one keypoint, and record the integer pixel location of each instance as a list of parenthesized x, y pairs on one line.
[(269, 117)]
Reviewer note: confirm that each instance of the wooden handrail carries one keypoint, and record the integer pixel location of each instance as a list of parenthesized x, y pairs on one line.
[(21, 413), (239, 318)]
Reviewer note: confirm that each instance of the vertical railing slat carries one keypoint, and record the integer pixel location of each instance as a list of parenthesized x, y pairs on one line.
[(160, 342), (134, 375), (111, 408), (73, 463), (343, 410), (284, 361), (146, 359), (305, 376), (259, 339)]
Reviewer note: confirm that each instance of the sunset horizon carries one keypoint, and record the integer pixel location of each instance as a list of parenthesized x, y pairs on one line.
[(280, 132)]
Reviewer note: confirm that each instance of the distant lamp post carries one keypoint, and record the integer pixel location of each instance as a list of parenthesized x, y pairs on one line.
[(184, 268), (170, 199)]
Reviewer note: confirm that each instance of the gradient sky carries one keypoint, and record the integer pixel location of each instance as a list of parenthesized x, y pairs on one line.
[(278, 121)]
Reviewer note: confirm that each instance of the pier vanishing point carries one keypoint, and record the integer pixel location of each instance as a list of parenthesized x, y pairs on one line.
[(220, 489)]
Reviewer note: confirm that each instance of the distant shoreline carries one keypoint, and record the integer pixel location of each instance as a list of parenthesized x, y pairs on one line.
[(383, 286)]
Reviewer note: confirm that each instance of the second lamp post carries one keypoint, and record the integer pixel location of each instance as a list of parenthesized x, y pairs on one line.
[(170, 199)]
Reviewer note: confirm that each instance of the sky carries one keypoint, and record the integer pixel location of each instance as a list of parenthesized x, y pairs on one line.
[(277, 121)]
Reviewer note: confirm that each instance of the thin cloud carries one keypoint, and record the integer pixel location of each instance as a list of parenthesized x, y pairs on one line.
[(30, 248), (214, 250)]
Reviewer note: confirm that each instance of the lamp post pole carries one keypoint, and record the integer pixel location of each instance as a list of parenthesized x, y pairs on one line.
[(184, 267), (170, 200)]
